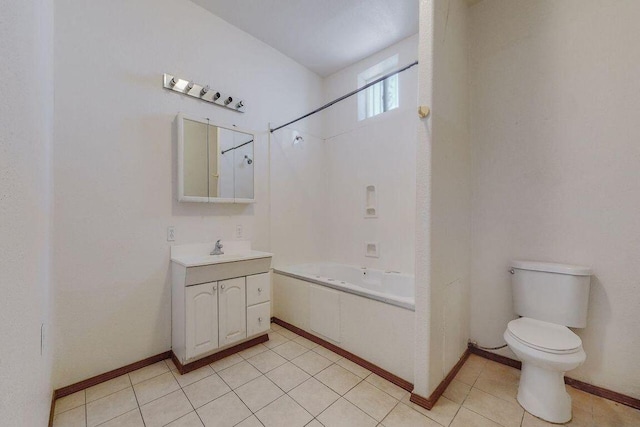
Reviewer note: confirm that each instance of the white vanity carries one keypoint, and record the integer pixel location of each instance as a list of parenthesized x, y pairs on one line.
[(220, 303)]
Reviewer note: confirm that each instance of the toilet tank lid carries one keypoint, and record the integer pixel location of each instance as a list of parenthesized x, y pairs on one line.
[(550, 267)]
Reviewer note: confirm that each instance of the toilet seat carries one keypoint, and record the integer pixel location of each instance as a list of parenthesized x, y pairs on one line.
[(544, 336)]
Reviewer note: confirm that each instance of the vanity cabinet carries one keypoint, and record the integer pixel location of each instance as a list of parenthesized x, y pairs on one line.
[(218, 305)]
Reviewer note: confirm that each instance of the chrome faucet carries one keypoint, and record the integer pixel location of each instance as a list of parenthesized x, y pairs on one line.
[(218, 249)]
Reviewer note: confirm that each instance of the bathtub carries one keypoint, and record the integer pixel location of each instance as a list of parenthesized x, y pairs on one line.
[(390, 287), (367, 312)]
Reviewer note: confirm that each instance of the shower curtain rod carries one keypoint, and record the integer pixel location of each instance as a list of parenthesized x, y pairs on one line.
[(343, 97), (233, 148)]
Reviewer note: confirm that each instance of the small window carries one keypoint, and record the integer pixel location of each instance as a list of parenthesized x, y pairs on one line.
[(382, 96)]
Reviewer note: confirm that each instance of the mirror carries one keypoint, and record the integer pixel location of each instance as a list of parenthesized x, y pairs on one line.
[(215, 163)]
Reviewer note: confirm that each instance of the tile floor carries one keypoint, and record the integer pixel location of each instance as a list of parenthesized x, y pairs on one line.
[(289, 381)]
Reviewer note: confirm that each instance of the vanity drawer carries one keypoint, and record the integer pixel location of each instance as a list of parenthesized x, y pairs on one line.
[(258, 318), (258, 288)]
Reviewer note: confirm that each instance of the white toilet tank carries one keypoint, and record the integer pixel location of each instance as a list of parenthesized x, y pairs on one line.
[(555, 293)]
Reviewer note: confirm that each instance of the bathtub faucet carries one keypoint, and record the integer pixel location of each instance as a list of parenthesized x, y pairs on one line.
[(218, 249)]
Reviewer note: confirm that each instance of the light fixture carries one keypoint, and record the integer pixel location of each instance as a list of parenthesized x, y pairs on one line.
[(216, 96), (240, 104), (228, 101), (189, 86), (173, 82), (204, 90)]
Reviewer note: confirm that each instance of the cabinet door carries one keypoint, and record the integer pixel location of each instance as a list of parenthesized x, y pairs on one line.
[(258, 318), (201, 307), (233, 311), (258, 288)]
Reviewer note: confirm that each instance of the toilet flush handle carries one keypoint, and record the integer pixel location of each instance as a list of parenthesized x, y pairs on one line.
[(512, 271)]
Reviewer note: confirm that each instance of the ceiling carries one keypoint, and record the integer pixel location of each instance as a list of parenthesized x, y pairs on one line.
[(323, 35)]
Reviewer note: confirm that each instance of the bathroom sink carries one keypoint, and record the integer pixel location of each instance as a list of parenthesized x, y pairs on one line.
[(189, 260), (194, 264), (198, 254)]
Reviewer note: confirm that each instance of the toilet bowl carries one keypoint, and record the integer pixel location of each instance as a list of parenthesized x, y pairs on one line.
[(547, 351)]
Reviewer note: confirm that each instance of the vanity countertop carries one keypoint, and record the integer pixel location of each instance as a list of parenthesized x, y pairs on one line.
[(198, 254)]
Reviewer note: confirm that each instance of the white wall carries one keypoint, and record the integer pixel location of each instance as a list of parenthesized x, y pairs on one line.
[(450, 190), (423, 203), (555, 103), (26, 68), (115, 164), (379, 151)]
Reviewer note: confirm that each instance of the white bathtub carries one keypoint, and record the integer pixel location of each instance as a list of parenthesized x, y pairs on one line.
[(367, 312), (390, 287)]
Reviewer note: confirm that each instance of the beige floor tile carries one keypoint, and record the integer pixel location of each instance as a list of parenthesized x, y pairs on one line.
[(266, 361), (130, 419), (443, 411), (275, 327), (252, 421), (148, 372), (338, 379), (328, 354), (506, 390), (314, 396), (314, 423), (253, 350), (287, 376), (581, 399), (283, 412), (354, 367), (288, 334), (403, 416), (108, 387), (468, 374), (305, 342), (258, 393), (387, 386), (580, 418), (467, 418), (206, 390), (499, 372), (275, 339), (225, 411), (608, 413), (172, 366), (69, 402), (239, 374), (168, 408), (457, 391), (345, 414), (290, 350), (311, 362), (111, 406), (71, 418), (190, 420), (496, 409), (193, 376), (226, 362), (156, 387), (373, 401)]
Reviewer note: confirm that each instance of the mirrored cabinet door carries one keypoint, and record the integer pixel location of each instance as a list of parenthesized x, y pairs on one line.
[(215, 163)]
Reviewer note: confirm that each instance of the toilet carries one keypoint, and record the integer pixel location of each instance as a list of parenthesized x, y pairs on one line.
[(550, 298)]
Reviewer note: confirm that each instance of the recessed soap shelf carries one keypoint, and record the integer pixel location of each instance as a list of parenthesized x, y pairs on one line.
[(371, 250), (371, 202)]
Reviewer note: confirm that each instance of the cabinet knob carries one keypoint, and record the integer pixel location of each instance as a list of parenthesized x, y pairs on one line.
[(259, 319), (221, 286), (215, 288), (259, 289)]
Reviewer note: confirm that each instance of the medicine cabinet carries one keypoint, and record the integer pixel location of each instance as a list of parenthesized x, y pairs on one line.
[(215, 163)]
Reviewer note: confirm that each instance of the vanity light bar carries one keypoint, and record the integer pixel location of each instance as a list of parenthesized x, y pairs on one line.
[(202, 92)]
